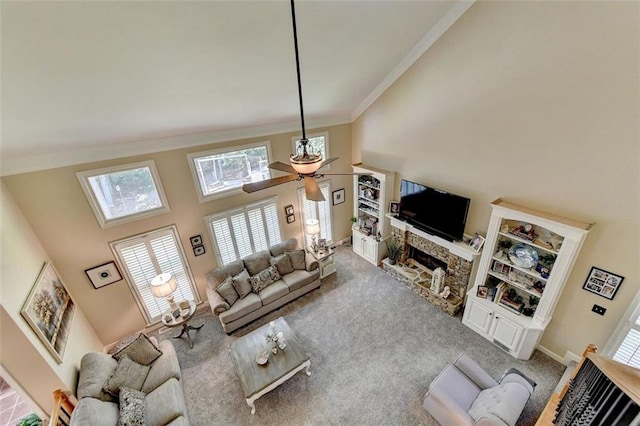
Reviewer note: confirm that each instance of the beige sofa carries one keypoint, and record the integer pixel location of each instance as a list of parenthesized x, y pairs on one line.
[(164, 402), (254, 305)]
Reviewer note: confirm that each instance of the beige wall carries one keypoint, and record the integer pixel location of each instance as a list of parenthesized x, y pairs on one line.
[(57, 210), (536, 102), (20, 263)]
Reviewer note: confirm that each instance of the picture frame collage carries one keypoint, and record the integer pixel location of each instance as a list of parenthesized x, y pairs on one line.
[(197, 245), (603, 283)]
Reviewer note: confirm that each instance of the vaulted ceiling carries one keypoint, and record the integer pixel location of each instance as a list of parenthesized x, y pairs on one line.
[(94, 80)]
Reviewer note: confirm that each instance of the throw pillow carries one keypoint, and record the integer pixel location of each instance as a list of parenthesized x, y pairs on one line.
[(264, 278), (297, 259), (132, 407), (128, 374), (257, 262), (283, 263), (227, 291), (141, 350), (241, 284)]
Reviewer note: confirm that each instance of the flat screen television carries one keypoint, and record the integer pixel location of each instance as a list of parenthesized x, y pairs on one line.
[(432, 210)]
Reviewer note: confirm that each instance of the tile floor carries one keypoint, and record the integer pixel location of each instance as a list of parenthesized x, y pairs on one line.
[(12, 407)]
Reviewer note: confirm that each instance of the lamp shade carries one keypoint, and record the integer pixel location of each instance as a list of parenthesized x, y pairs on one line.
[(163, 285), (312, 226)]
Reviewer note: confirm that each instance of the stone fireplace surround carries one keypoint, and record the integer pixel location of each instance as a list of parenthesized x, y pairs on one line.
[(457, 256)]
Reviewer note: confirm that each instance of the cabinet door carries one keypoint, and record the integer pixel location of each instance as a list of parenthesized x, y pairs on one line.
[(370, 251), (506, 332), (357, 243), (479, 315)]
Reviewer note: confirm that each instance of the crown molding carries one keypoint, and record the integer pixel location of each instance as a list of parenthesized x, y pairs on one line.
[(55, 159), (423, 45)]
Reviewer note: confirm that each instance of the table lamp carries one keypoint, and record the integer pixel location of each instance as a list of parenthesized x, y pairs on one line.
[(164, 285), (312, 227)]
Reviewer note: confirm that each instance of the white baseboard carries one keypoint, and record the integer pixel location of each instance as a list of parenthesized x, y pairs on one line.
[(571, 357), (550, 354)]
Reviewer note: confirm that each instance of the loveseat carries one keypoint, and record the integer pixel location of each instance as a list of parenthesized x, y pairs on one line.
[(247, 289), (464, 394), (159, 401)]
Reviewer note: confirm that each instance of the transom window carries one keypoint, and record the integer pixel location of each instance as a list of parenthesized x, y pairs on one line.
[(124, 193), (317, 143), (145, 256), (240, 232), (320, 210), (222, 172)]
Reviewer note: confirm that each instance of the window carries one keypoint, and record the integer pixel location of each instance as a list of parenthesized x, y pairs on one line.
[(317, 143), (320, 210), (222, 172), (145, 256), (240, 232), (624, 345), (124, 193)]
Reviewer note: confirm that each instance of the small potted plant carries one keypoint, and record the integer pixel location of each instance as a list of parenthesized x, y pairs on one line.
[(393, 251)]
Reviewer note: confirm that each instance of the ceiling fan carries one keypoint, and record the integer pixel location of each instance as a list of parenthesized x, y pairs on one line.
[(304, 165)]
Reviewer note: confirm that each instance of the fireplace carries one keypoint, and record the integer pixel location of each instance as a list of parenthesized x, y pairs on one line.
[(425, 259), (428, 252)]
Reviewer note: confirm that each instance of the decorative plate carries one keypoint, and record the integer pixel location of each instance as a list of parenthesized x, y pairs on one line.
[(523, 256), (262, 358)]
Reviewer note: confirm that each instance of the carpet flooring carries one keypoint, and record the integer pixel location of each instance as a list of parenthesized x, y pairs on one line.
[(374, 347)]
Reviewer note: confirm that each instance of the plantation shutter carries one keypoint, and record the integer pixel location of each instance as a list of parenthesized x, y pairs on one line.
[(629, 350), (240, 232), (320, 210), (146, 256)]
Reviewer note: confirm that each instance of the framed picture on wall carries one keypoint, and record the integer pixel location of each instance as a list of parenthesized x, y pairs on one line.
[(196, 240), (291, 218), (288, 210), (602, 283), (104, 274), (338, 196), (49, 311)]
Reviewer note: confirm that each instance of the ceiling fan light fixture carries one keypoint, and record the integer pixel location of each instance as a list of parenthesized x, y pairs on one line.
[(303, 162)]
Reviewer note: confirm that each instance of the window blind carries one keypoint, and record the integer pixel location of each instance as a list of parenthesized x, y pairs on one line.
[(320, 210), (629, 350), (146, 256), (240, 232)]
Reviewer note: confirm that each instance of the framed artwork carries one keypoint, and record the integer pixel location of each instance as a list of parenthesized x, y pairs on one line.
[(104, 274), (288, 210), (196, 240), (198, 250), (291, 218), (338, 196), (322, 244), (483, 291), (394, 208), (49, 311), (603, 283), (476, 242)]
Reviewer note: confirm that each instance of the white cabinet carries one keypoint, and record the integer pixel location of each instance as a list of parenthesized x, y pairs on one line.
[(372, 194), (527, 258)]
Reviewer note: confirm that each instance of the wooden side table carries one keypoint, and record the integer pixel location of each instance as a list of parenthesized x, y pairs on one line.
[(182, 321), (325, 261)]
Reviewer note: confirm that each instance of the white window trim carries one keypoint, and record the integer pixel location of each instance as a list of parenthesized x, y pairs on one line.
[(294, 143), (301, 210), (203, 198), (622, 329), (129, 280), (229, 212), (83, 178)]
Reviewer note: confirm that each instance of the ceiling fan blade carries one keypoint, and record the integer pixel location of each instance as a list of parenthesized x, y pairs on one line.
[(312, 189), (347, 174), (327, 161), (257, 186), (283, 167)]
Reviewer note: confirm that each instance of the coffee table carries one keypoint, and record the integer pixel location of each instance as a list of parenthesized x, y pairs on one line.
[(257, 380)]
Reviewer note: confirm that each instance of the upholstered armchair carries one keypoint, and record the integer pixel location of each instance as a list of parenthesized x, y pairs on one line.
[(464, 394)]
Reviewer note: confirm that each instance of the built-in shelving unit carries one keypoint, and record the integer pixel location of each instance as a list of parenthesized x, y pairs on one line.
[(526, 261), (372, 194)]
